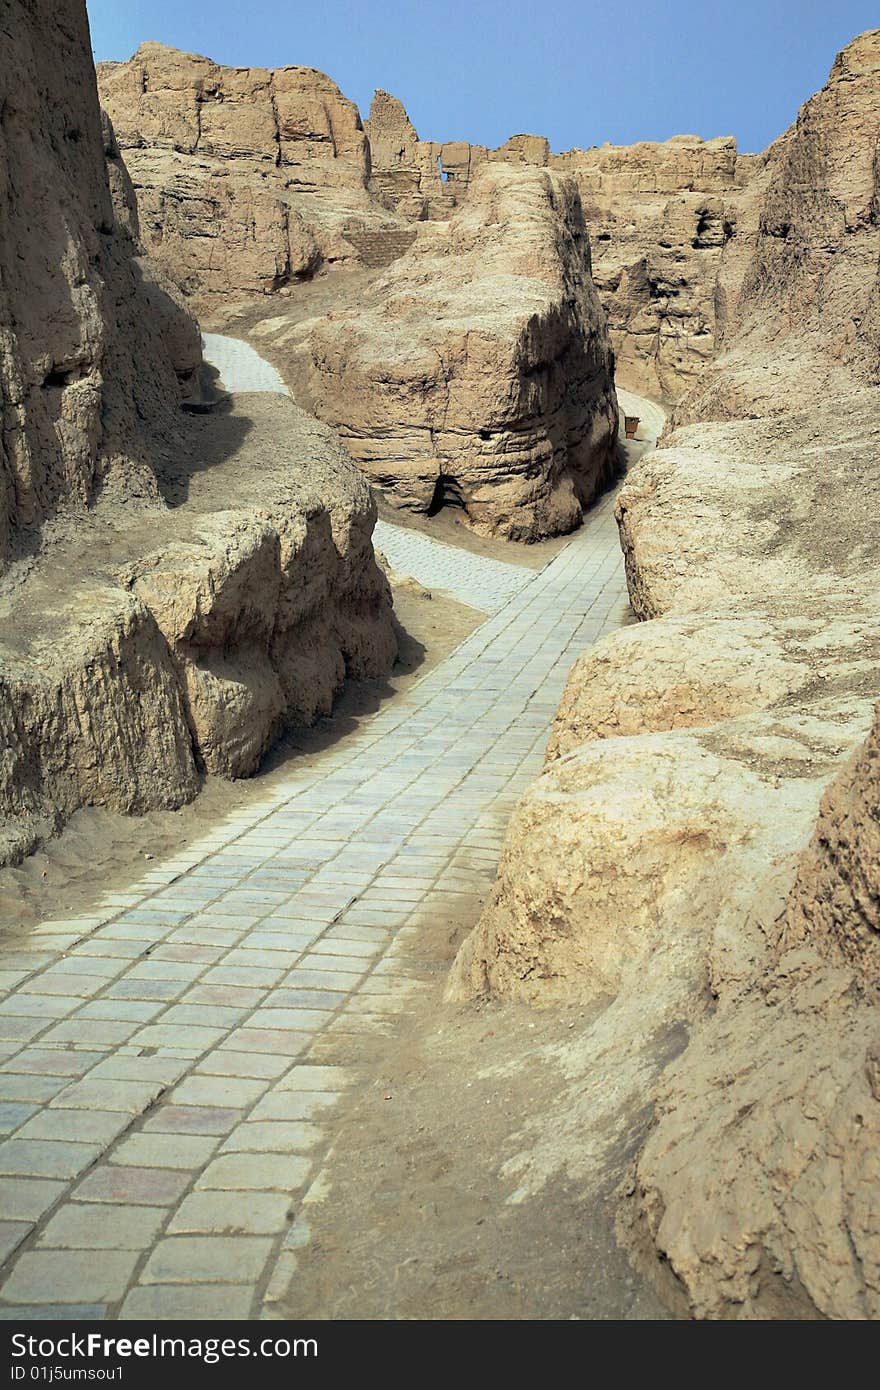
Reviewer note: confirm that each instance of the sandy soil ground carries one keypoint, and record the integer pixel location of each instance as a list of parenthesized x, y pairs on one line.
[(99, 850), (417, 1220)]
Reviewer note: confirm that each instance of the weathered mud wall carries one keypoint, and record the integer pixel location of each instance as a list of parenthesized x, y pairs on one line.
[(670, 859), (176, 591), (477, 371)]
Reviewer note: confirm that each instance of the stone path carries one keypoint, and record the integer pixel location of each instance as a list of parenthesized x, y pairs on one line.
[(478, 580), (171, 1062), (240, 367)]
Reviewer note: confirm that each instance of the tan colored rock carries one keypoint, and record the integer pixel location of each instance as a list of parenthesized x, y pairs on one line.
[(755, 1195), (476, 372), (798, 289), (659, 215), (247, 179), (835, 902), (81, 364), (668, 868), (176, 590), (633, 846), (695, 670), (90, 710)]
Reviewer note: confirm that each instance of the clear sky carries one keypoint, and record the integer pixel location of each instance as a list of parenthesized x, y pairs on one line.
[(577, 71)]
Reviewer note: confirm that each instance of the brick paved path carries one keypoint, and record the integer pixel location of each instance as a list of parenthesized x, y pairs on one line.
[(171, 1060)]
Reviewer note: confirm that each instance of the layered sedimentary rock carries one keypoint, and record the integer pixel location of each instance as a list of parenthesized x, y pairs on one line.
[(426, 179), (658, 215), (670, 859), (247, 179), (835, 902), (83, 366), (477, 371), (175, 591)]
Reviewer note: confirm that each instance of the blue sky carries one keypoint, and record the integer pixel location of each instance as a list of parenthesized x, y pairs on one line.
[(577, 71)]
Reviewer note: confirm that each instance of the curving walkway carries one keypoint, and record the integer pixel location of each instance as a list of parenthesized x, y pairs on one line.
[(171, 1061)]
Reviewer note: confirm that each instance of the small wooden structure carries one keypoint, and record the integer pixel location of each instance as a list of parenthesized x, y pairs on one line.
[(631, 424)]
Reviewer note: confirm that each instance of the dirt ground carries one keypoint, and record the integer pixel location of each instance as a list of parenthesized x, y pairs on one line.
[(416, 1221), (99, 850)]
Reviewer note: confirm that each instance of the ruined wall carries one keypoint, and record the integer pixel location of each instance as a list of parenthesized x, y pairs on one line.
[(696, 861), (658, 215), (82, 365), (477, 371), (247, 179)]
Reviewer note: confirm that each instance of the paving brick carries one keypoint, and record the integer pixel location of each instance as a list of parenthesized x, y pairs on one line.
[(13, 1114), (192, 1119), (188, 1303), (268, 1040), (225, 1061), (295, 1105), (207, 1260), (165, 1150), (303, 1020), (20, 1029), (247, 1172), (218, 1090), (252, 1213), (68, 1276), (99, 1093), (232, 996), (321, 999), (178, 1035), (85, 1126), (25, 1199), (45, 1158), (51, 1062), (12, 1233), (322, 978), (273, 1136), (91, 1226), (140, 1186)]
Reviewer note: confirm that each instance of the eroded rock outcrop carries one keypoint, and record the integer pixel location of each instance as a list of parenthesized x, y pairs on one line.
[(670, 858), (175, 590), (477, 370), (247, 179), (658, 214), (83, 367)]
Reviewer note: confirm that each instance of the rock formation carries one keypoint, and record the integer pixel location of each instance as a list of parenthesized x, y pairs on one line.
[(83, 366), (658, 215), (251, 179), (175, 590), (477, 371), (668, 866), (247, 179)]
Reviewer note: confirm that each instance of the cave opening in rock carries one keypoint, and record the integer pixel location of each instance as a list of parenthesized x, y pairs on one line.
[(447, 493)]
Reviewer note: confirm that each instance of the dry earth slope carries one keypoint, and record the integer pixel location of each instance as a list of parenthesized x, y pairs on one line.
[(669, 864), (152, 625)]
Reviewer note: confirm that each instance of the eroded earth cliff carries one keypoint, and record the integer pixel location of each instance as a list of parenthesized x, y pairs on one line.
[(176, 590), (247, 179), (477, 371), (668, 866)]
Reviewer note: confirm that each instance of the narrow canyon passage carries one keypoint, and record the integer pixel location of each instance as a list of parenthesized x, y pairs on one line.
[(173, 1059)]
